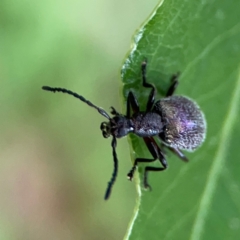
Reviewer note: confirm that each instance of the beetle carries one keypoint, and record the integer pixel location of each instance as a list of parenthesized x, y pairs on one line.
[(176, 120)]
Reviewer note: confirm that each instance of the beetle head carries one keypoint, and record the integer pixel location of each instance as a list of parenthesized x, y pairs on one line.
[(118, 126)]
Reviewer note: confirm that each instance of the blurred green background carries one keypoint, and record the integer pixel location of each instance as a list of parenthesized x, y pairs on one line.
[(55, 165)]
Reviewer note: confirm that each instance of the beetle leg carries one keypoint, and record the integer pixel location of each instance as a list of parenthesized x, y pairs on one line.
[(174, 84), (156, 153), (177, 152), (132, 103), (151, 97)]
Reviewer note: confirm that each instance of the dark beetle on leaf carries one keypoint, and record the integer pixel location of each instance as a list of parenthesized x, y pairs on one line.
[(176, 120)]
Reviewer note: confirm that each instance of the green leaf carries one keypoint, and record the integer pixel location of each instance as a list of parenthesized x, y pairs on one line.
[(199, 199)]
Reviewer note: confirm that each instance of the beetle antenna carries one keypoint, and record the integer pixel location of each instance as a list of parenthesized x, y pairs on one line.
[(115, 169), (63, 90)]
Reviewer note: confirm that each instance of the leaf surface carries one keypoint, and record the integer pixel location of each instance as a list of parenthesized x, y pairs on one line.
[(200, 199)]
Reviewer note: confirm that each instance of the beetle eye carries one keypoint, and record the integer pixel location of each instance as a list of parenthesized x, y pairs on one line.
[(105, 127)]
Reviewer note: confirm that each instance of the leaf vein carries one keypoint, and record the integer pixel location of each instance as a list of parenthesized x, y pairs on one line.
[(217, 40), (218, 162)]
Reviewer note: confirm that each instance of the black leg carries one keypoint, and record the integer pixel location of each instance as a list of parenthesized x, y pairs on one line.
[(156, 153), (178, 153), (174, 84), (151, 97), (115, 169), (132, 103), (145, 179)]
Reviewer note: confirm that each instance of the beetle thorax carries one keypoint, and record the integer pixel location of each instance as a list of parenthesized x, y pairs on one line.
[(147, 124)]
